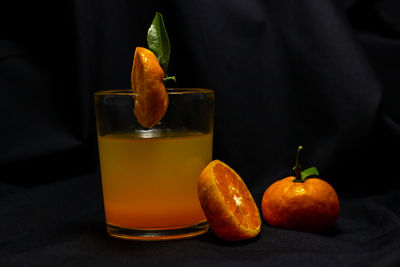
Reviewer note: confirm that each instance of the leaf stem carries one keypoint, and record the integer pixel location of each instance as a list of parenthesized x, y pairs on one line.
[(297, 166), (171, 78)]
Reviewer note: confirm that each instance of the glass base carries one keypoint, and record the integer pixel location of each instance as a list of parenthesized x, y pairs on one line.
[(157, 234)]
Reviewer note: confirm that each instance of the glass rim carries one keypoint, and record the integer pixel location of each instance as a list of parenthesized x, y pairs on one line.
[(170, 91)]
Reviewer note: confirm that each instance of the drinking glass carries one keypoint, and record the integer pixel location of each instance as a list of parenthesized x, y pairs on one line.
[(149, 176)]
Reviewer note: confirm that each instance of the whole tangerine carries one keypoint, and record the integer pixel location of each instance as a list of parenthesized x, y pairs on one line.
[(301, 203)]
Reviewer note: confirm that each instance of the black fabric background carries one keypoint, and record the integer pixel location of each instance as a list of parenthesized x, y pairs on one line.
[(323, 74)]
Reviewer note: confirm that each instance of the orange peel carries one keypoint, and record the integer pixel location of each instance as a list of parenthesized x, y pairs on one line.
[(150, 95)]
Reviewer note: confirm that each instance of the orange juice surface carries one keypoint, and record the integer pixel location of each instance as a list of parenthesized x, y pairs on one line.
[(149, 179)]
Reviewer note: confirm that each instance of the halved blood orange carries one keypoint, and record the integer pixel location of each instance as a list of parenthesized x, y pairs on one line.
[(151, 98), (227, 203)]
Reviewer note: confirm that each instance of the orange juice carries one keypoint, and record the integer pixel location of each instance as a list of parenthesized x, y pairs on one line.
[(150, 178)]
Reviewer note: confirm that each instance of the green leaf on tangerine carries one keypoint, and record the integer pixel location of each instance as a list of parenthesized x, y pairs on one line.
[(309, 172), (158, 41)]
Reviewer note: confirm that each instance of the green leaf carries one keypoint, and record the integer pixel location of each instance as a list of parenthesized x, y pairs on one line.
[(308, 172), (158, 41)]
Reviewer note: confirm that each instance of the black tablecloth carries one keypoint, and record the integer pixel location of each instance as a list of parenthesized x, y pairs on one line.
[(63, 224), (322, 74)]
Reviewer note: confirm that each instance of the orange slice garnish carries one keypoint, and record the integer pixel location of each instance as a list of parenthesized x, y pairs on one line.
[(151, 98), (227, 203)]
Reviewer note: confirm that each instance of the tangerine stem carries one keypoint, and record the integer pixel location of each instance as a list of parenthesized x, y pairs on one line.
[(169, 78), (297, 166)]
